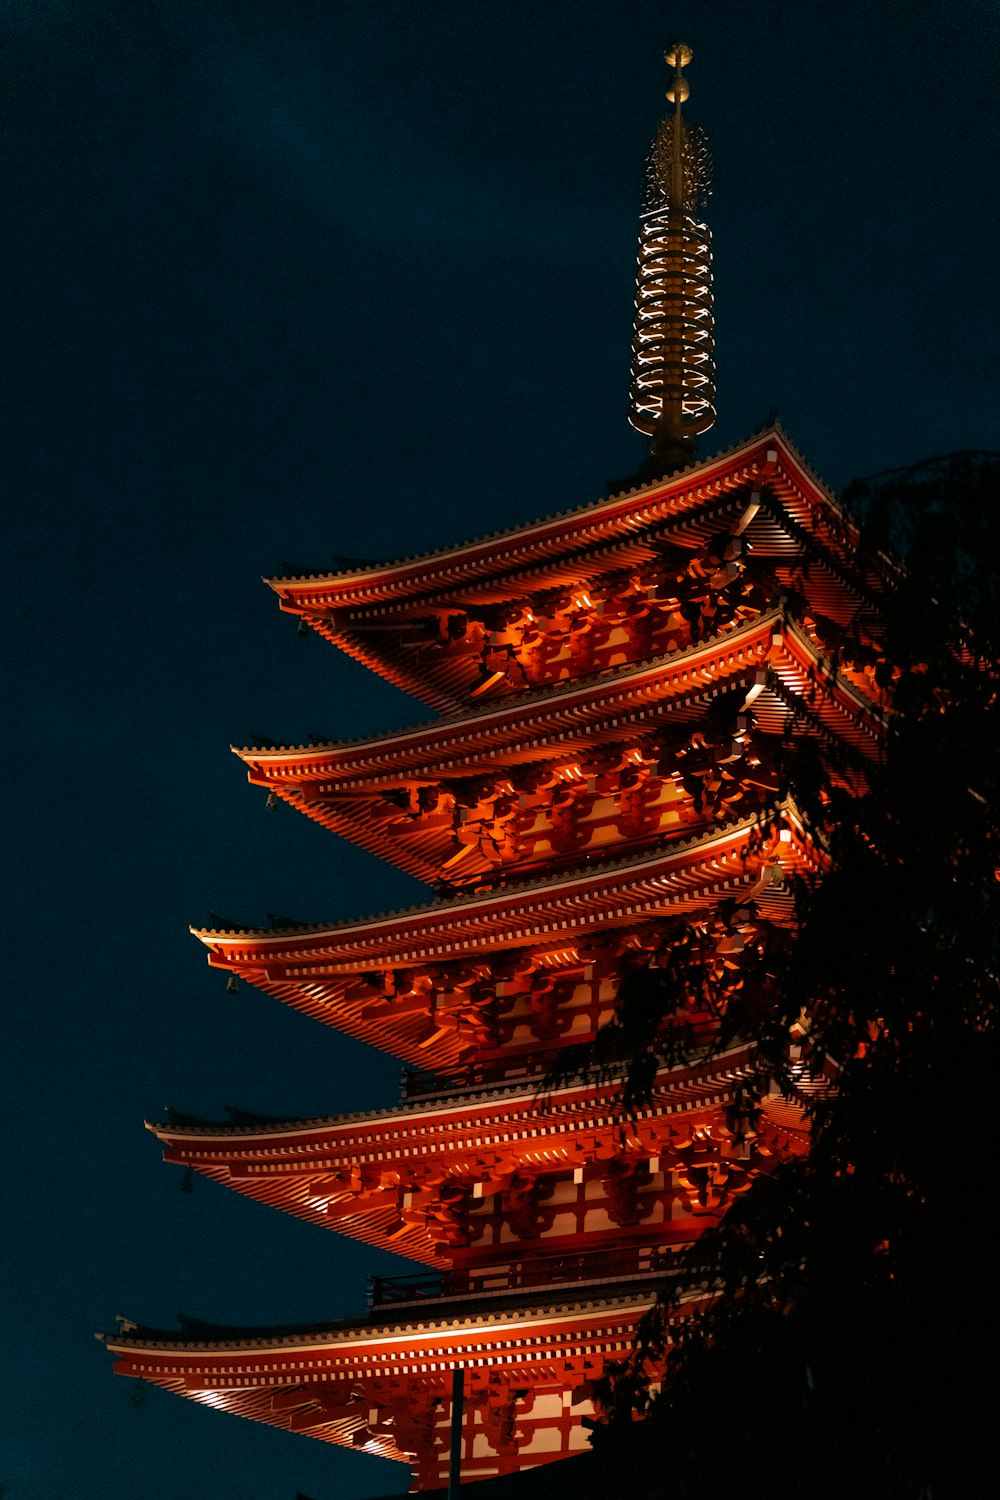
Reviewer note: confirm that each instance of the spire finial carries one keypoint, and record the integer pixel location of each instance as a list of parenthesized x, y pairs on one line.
[(677, 57), (673, 371)]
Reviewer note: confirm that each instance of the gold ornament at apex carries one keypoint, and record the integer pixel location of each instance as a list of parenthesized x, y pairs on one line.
[(672, 396)]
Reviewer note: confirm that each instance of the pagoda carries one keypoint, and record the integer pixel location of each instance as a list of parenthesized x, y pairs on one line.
[(598, 804)]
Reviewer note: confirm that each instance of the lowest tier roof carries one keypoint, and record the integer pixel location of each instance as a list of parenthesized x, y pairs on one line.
[(363, 1384)]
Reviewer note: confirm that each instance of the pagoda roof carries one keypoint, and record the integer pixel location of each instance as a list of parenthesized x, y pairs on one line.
[(196, 1337), (343, 1172), (315, 967), (772, 658), (797, 514), (447, 1109), (309, 1380), (768, 456)]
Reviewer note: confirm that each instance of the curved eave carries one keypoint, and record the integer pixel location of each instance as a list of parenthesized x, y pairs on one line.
[(301, 1168), (315, 969), (445, 683), (509, 721), (340, 786), (374, 637), (497, 1104), (356, 1334), (283, 1377), (448, 915), (485, 734), (791, 518), (767, 456)]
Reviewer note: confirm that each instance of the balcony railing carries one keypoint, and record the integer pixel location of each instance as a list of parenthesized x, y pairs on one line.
[(417, 1085), (554, 1271), (535, 1071)]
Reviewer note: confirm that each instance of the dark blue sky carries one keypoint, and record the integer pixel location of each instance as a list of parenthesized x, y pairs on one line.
[(291, 279)]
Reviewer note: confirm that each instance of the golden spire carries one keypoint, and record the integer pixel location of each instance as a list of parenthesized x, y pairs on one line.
[(672, 397)]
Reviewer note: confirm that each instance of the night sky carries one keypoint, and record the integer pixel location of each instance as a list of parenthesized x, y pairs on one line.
[(290, 280)]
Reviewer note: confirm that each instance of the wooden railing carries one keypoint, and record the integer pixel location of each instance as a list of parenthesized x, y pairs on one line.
[(536, 1271)]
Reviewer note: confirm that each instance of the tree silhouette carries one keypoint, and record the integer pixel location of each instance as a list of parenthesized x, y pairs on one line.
[(834, 1334)]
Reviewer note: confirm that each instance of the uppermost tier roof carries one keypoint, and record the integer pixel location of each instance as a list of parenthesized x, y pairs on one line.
[(761, 490)]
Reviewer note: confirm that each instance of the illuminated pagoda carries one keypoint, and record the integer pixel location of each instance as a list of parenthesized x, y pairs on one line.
[(600, 800)]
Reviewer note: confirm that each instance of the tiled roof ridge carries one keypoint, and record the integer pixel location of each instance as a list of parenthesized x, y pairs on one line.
[(362, 1329), (778, 430), (467, 898), (773, 429), (798, 633), (529, 569), (532, 695), (892, 564), (426, 1105)]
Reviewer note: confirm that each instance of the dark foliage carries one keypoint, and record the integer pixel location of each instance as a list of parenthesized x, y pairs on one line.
[(836, 1334)]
